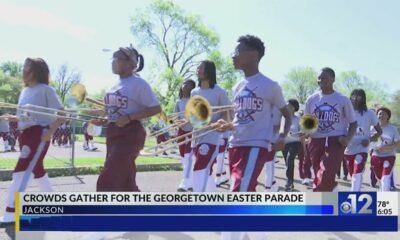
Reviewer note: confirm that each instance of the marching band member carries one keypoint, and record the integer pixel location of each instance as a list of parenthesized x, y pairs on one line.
[(356, 152), (5, 131), (206, 146), (384, 153), (337, 125), (185, 150), (15, 132), (127, 103), (36, 132), (250, 145), (292, 144), (88, 141)]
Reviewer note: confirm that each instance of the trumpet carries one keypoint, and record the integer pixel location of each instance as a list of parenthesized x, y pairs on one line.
[(198, 113)]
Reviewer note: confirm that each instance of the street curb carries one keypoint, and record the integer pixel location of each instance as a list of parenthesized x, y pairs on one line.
[(6, 175)]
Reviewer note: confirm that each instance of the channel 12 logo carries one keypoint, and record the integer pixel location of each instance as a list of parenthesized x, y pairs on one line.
[(357, 203)]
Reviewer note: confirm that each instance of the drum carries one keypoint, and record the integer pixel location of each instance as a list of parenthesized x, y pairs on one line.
[(94, 130)]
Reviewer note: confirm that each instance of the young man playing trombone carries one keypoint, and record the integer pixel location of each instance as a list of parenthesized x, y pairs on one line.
[(250, 145)]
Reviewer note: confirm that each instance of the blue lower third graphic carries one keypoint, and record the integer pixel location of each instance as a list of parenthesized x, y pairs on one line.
[(179, 209), (208, 223)]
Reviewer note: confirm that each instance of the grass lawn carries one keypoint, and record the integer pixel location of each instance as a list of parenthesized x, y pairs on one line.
[(149, 142), (85, 162)]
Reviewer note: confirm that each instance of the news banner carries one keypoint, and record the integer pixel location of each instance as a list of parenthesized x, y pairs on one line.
[(340, 211)]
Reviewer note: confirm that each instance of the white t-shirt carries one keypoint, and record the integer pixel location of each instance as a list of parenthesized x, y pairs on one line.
[(334, 111), (180, 106), (390, 134), (226, 134), (130, 95), (254, 98), (294, 128), (216, 97), (365, 121), (40, 95)]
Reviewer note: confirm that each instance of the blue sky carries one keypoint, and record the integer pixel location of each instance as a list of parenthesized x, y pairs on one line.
[(361, 35)]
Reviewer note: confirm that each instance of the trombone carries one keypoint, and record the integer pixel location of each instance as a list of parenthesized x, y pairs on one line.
[(75, 97), (308, 125), (198, 113), (175, 116), (171, 121)]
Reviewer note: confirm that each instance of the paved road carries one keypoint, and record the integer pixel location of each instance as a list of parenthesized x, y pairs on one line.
[(57, 152), (167, 181)]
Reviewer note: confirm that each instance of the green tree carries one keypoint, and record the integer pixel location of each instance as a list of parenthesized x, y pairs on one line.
[(227, 75), (395, 108), (10, 81), (180, 40), (12, 69), (347, 81), (65, 79), (300, 83)]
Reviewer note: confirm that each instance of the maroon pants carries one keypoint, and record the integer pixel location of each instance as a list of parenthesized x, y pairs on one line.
[(5, 136), (66, 136), (205, 157), (304, 162), (161, 138), (88, 137), (326, 156), (353, 166), (382, 166), (246, 164), (123, 147), (29, 143)]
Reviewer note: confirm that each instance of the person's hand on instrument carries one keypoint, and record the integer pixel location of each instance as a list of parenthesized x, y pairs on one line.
[(98, 121), (222, 126)]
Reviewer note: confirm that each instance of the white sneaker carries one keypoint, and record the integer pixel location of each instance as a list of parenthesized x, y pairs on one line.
[(273, 188), (184, 186), (307, 181), (8, 217)]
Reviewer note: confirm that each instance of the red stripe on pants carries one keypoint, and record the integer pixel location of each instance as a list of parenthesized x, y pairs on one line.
[(238, 160)]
